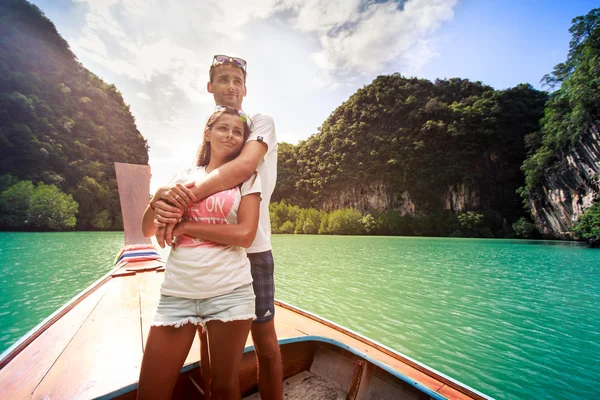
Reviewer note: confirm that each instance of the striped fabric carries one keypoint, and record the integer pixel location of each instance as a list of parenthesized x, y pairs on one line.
[(137, 253)]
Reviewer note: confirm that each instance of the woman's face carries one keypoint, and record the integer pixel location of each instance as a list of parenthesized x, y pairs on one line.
[(226, 136)]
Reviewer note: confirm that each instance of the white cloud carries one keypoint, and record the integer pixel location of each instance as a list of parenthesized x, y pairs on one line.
[(158, 53), (324, 16), (355, 36), (368, 39), (421, 53)]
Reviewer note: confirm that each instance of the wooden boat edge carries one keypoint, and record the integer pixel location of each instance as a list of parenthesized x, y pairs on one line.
[(419, 386), (10, 353), (461, 387)]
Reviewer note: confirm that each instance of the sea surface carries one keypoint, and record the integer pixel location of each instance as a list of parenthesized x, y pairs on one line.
[(512, 319)]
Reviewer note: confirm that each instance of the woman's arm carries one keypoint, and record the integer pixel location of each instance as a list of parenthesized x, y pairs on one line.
[(148, 227), (240, 234)]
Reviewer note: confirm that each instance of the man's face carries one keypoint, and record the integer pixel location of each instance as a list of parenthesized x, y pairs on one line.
[(228, 86)]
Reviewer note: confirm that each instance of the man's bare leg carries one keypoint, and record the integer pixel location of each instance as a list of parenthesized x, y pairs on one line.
[(270, 368)]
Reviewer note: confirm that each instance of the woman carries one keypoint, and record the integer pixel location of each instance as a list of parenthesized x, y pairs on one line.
[(207, 278)]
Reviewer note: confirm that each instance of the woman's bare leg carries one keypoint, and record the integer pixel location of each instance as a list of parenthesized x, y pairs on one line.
[(226, 342), (204, 362), (164, 355)]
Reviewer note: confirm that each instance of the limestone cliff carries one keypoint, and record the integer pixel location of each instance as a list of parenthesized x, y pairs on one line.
[(566, 192), (378, 197)]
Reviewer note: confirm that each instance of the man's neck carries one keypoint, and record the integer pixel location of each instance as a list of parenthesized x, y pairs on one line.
[(236, 106)]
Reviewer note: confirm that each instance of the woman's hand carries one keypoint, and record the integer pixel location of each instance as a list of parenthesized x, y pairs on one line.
[(164, 214), (179, 229), (179, 195)]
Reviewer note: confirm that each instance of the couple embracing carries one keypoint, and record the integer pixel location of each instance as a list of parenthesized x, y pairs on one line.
[(219, 274)]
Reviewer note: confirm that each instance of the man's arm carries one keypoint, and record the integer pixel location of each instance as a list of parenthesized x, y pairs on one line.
[(232, 173), (225, 177)]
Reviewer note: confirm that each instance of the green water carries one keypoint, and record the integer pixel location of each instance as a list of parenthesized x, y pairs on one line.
[(513, 319)]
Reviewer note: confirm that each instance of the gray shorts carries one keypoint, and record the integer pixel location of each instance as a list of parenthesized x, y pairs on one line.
[(262, 267), (232, 306)]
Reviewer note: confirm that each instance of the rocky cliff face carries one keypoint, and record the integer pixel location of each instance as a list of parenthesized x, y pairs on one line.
[(462, 197), (365, 198), (567, 192), (377, 197)]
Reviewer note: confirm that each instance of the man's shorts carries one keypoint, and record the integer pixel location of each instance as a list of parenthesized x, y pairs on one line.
[(262, 267), (233, 306)]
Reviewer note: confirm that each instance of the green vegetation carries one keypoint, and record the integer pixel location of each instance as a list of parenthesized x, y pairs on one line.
[(588, 225), (24, 206), (60, 125), (524, 228), (288, 218), (572, 108)]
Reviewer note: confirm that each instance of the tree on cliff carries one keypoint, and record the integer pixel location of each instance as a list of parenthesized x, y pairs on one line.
[(573, 107), (588, 225), (59, 123), (417, 139)]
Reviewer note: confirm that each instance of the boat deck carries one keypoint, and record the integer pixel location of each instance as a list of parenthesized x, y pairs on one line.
[(57, 361)]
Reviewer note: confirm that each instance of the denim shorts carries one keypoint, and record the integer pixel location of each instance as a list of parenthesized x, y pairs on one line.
[(233, 306), (262, 266)]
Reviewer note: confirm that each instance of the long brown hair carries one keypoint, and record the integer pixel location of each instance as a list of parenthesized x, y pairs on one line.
[(203, 154)]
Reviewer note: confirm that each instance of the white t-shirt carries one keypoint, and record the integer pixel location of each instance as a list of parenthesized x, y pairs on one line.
[(197, 268), (263, 129)]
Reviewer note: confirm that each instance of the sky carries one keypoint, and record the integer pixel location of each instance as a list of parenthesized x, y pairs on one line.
[(305, 57)]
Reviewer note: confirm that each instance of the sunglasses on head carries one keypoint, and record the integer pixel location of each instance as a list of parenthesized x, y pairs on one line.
[(223, 59), (243, 115)]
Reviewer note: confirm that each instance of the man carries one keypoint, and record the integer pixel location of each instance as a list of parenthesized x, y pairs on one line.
[(228, 86)]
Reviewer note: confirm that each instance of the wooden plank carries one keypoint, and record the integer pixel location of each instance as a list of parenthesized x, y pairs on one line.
[(315, 388), (334, 364), (20, 377), (356, 380), (142, 268), (286, 331), (365, 383), (134, 193), (288, 384), (149, 283), (123, 272), (106, 352), (382, 389), (306, 385), (296, 380), (452, 393), (296, 357)]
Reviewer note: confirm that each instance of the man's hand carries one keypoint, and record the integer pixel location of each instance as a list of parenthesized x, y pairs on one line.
[(178, 194)]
